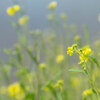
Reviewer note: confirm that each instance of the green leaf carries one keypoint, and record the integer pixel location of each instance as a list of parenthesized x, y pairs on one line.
[(76, 70)]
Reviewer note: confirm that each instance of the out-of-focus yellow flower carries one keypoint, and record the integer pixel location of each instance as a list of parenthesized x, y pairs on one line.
[(87, 51), (15, 91), (75, 82), (63, 16), (12, 10), (70, 50), (59, 84), (59, 58), (52, 5), (82, 59), (3, 90), (77, 38), (42, 65), (87, 92), (46, 89), (23, 20), (16, 8)]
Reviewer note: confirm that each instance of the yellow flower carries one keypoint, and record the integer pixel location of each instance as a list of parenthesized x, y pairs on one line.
[(3, 90), (87, 92), (83, 60), (23, 20), (75, 82), (15, 91), (42, 65), (70, 51), (63, 16), (59, 58), (87, 51), (12, 10), (16, 8), (52, 5), (46, 89), (77, 38), (59, 84)]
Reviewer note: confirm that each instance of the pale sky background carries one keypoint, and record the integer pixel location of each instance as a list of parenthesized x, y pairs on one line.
[(79, 12)]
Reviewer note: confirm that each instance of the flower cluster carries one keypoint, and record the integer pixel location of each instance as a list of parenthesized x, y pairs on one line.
[(87, 92), (15, 91), (83, 53), (71, 50), (23, 20), (12, 10), (59, 84)]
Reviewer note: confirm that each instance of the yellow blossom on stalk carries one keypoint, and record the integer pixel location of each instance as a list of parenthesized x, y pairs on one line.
[(42, 65), (87, 92), (12, 10), (59, 84), (3, 90), (70, 51), (59, 58), (23, 20), (87, 51), (52, 5), (84, 53), (82, 59), (77, 38), (15, 91)]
